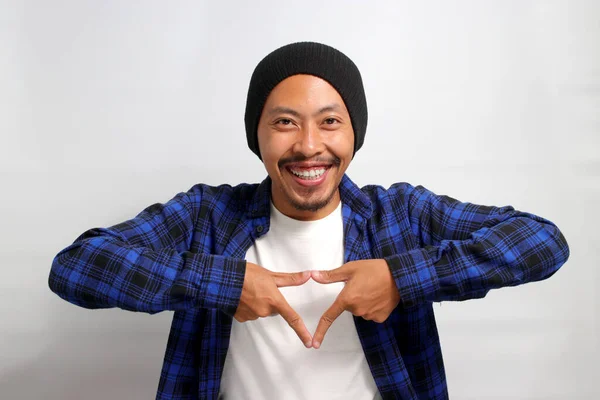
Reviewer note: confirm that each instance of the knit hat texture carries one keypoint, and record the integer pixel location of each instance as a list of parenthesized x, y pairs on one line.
[(309, 58)]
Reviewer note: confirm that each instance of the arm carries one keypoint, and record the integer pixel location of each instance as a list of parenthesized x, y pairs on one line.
[(144, 264), (469, 249)]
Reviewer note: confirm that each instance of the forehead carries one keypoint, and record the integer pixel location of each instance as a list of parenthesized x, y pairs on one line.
[(304, 90)]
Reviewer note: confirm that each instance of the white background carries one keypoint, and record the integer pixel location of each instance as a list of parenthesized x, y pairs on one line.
[(107, 107)]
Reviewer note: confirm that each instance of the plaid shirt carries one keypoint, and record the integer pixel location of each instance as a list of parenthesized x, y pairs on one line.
[(187, 255)]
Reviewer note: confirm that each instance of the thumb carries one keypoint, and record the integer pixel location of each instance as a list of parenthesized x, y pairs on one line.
[(283, 279), (340, 274)]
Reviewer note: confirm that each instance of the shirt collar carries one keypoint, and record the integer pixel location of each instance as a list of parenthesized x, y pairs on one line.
[(350, 194), (261, 201), (355, 198)]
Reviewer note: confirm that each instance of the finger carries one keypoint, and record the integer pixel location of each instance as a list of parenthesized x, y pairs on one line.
[(283, 279), (340, 274), (326, 321), (294, 321)]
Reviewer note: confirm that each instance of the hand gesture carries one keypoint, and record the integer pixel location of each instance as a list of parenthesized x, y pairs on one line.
[(261, 298), (370, 292)]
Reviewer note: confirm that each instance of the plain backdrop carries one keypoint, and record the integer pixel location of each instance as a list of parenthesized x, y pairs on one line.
[(107, 107)]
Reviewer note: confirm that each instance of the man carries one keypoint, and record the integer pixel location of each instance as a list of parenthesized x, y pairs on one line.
[(305, 286)]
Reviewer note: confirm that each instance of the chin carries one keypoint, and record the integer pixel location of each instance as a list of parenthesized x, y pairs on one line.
[(310, 203), (312, 206), (306, 196)]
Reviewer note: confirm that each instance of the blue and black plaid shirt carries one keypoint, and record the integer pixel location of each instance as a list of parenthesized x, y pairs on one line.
[(187, 255)]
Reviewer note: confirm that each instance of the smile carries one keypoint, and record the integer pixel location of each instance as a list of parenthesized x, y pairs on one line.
[(313, 173), (309, 176)]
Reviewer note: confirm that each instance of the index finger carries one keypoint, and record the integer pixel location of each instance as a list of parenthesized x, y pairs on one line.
[(325, 322), (294, 321)]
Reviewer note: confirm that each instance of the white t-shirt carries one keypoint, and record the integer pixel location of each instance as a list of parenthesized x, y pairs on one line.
[(266, 359)]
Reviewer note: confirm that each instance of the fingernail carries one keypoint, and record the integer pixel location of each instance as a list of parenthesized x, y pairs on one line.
[(308, 344), (316, 345), (316, 274)]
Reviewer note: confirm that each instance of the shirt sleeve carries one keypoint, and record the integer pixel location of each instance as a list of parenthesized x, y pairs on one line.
[(145, 264), (468, 249)]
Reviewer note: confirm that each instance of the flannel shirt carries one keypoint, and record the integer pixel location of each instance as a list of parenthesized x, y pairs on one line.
[(187, 256)]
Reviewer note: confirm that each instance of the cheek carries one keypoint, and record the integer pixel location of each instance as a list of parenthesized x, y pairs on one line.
[(342, 145), (274, 148), (271, 152)]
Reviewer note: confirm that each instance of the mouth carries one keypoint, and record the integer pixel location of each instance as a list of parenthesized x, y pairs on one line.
[(308, 175)]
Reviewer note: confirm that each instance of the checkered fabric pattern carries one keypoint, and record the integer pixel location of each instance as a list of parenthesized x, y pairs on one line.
[(187, 256)]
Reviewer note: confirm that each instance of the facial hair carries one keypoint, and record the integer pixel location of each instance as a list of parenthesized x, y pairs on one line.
[(313, 206)]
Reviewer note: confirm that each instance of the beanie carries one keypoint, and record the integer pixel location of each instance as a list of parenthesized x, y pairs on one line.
[(309, 58)]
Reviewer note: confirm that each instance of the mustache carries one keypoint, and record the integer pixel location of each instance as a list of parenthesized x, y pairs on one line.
[(294, 159)]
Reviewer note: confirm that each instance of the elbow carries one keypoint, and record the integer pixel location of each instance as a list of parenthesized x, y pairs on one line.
[(66, 281), (556, 251), (563, 250), (58, 278)]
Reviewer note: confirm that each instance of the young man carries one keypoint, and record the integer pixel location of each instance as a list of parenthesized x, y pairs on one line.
[(305, 286)]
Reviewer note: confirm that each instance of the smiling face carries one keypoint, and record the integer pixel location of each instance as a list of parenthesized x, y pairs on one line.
[(306, 142)]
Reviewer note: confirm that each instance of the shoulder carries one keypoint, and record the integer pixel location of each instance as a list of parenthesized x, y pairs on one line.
[(395, 192), (399, 200), (224, 196)]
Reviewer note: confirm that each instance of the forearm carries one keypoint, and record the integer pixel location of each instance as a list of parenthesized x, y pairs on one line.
[(513, 249), (103, 271)]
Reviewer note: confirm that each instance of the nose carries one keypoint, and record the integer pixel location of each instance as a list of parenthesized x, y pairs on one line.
[(310, 142)]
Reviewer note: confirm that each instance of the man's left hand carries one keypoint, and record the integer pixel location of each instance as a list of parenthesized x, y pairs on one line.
[(369, 292)]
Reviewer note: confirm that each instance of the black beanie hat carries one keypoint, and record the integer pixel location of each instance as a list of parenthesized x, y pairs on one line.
[(309, 58)]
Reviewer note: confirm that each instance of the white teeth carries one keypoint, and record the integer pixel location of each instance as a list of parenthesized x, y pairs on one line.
[(312, 174)]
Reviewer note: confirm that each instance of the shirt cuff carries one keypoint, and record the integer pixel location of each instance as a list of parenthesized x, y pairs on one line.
[(415, 275), (222, 282)]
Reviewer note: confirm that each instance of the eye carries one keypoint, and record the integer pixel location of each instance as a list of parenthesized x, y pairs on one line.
[(284, 121), (330, 121)]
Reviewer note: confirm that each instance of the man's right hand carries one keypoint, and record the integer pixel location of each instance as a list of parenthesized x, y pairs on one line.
[(261, 298)]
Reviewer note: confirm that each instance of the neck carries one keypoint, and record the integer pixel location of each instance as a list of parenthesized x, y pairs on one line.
[(288, 209)]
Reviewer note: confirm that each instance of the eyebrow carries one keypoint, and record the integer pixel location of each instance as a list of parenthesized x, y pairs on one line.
[(291, 111)]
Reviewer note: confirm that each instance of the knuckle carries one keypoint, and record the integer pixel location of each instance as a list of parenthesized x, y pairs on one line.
[(375, 318), (246, 317), (359, 311), (264, 312), (327, 319), (294, 321), (379, 318)]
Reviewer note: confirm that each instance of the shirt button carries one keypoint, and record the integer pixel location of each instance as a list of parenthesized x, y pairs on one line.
[(259, 228)]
